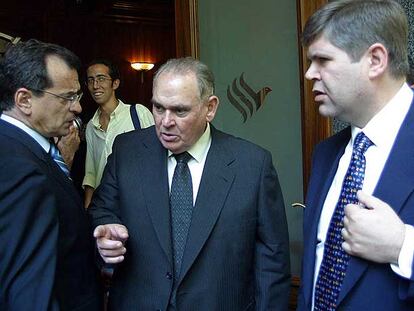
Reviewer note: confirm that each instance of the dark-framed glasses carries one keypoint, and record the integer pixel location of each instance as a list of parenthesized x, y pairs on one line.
[(99, 79), (70, 98)]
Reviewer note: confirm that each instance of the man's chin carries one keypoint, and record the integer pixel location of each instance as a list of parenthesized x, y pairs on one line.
[(325, 111), (171, 146), (168, 146), (63, 131), (98, 99)]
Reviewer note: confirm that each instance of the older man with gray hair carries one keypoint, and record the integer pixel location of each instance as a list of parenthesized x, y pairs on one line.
[(192, 217)]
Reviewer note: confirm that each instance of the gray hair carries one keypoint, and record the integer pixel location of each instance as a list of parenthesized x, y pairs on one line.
[(354, 25), (182, 66)]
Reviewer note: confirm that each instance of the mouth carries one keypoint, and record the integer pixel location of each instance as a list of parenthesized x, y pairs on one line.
[(97, 94), (319, 95), (168, 137)]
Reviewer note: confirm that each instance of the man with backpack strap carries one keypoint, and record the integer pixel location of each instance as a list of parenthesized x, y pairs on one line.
[(113, 117)]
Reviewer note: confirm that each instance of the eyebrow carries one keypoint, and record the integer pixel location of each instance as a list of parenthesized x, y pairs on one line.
[(72, 93), (99, 75), (317, 55), (178, 107)]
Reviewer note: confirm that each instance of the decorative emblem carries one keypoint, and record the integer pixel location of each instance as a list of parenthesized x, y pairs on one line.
[(244, 104)]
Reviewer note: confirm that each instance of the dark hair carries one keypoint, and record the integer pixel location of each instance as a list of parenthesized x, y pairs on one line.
[(113, 69), (24, 65), (205, 78), (410, 77), (354, 25)]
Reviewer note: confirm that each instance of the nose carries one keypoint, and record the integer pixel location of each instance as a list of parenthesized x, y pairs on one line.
[(168, 119), (312, 73), (95, 84), (76, 107)]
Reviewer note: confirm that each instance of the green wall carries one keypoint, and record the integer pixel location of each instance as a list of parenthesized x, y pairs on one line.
[(259, 38)]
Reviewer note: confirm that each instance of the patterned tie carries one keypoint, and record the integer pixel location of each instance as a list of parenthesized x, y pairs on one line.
[(181, 202), (335, 259), (57, 157)]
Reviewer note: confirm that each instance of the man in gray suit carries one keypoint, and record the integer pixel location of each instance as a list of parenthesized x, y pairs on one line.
[(229, 250)]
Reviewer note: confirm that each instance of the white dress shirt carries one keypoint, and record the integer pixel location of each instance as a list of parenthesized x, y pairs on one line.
[(382, 130), (196, 165)]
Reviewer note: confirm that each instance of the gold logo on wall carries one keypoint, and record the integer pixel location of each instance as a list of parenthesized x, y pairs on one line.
[(244, 98)]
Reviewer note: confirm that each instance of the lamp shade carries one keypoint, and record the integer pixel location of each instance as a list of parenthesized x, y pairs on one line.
[(142, 66)]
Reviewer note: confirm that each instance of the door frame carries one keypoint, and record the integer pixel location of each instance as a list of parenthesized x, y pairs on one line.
[(186, 28), (315, 128)]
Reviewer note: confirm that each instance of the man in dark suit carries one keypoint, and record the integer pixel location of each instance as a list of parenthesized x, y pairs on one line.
[(231, 253), (358, 250), (46, 255)]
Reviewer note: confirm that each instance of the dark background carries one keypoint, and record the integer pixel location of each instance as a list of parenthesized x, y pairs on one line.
[(123, 31)]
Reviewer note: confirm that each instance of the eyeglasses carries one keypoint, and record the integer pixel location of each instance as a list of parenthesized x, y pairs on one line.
[(70, 99), (99, 79)]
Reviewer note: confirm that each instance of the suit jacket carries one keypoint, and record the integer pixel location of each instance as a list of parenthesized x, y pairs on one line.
[(46, 253), (367, 285), (236, 256)]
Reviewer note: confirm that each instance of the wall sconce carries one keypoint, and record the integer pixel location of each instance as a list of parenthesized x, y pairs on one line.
[(142, 67)]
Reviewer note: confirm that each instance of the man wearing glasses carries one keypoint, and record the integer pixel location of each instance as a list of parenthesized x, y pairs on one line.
[(113, 117), (46, 257)]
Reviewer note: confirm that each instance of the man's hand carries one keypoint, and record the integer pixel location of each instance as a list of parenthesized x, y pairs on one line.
[(110, 240), (372, 230), (68, 145)]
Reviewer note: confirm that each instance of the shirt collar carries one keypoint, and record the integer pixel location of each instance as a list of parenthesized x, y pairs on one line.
[(198, 150), (114, 114), (384, 126), (43, 141)]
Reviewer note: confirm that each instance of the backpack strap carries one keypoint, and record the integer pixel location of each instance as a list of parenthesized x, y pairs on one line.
[(134, 117)]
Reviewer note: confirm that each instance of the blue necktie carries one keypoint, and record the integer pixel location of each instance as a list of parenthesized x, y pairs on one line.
[(335, 259), (57, 157), (181, 203)]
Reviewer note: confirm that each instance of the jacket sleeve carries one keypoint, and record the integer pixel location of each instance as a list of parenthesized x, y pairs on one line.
[(272, 263), (104, 207), (29, 234)]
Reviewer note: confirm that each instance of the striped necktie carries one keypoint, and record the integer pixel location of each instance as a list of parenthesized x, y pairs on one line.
[(57, 157)]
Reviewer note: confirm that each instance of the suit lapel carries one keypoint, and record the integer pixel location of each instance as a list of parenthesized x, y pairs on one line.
[(25, 139), (60, 177), (394, 186), (398, 172), (322, 175), (154, 178), (50, 166), (216, 181)]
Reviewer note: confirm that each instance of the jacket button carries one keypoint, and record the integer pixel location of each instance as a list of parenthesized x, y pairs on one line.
[(168, 275)]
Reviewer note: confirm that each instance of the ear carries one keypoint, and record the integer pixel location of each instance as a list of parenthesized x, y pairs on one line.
[(377, 56), (23, 100), (115, 84), (212, 105)]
